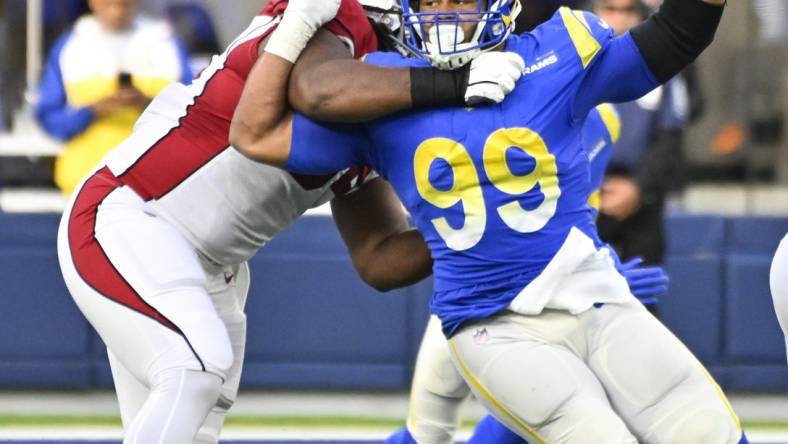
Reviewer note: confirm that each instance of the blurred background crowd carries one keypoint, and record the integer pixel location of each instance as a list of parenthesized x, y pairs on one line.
[(721, 124)]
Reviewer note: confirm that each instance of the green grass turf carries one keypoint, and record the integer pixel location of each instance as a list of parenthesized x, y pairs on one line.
[(269, 422)]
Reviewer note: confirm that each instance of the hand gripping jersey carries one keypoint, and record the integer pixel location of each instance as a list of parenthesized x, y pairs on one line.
[(179, 156), (500, 193)]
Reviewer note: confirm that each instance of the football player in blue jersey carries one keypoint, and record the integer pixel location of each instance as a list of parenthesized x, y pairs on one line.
[(438, 391), (540, 323)]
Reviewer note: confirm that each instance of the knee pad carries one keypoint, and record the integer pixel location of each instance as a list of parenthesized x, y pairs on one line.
[(176, 408), (595, 422), (193, 312), (201, 387), (212, 427), (706, 426)]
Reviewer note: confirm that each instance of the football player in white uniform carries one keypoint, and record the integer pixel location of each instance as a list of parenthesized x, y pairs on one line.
[(778, 282)]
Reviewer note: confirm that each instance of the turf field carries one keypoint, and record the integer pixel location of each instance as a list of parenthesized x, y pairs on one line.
[(264, 430)]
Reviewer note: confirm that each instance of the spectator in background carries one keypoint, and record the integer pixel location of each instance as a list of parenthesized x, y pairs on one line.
[(647, 162), (98, 79)]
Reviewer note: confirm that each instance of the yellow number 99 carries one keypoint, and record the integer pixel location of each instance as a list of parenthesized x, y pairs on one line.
[(545, 174), (465, 189)]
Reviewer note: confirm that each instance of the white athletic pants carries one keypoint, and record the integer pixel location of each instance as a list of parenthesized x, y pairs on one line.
[(609, 375), (173, 324), (778, 281), (437, 392)]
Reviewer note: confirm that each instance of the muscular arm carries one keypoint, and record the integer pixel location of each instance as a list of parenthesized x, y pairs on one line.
[(651, 53), (261, 128), (328, 84), (386, 253)]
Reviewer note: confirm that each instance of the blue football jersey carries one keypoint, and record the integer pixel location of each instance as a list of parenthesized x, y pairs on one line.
[(494, 190), (601, 131)]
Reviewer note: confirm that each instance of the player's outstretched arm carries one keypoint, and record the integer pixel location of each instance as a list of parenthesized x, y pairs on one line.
[(677, 34), (651, 53), (386, 252), (328, 84)]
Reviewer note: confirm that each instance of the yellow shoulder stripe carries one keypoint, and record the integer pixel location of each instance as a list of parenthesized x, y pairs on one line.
[(585, 44), (593, 200), (611, 120)]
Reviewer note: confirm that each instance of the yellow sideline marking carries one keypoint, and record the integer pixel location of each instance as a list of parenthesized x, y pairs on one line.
[(585, 44), (483, 391)]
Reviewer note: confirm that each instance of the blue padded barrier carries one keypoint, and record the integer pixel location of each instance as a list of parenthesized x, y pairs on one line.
[(757, 378), (719, 373), (28, 230), (44, 336), (695, 236), (315, 325), (695, 288), (312, 320), (752, 334), (756, 235), (102, 374)]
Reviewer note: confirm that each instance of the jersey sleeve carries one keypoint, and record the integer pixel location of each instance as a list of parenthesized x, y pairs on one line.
[(613, 68), (601, 131), (325, 148), (394, 60), (589, 34), (350, 25)]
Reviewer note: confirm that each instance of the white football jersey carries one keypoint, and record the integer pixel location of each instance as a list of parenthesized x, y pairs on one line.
[(179, 159)]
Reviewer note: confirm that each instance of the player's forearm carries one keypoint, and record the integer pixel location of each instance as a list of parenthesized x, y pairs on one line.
[(677, 34), (400, 260), (385, 251), (328, 84), (347, 90), (261, 125)]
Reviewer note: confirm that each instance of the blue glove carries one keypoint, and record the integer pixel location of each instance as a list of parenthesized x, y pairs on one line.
[(646, 283), (401, 436)]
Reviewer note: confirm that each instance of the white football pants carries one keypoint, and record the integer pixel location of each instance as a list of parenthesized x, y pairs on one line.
[(778, 281), (172, 322), (609, 375)]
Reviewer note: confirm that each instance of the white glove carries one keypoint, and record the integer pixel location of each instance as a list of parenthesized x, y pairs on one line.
[(315, 13), (300, 22), (492, 76)]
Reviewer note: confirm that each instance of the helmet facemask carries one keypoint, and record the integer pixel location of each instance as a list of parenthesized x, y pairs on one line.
[(439, 37)]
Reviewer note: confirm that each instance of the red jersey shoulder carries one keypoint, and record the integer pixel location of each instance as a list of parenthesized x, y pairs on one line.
[(351, 22)]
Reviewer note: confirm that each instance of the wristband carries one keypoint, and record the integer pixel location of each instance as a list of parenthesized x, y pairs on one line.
[(430, 87), (290, 38)]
